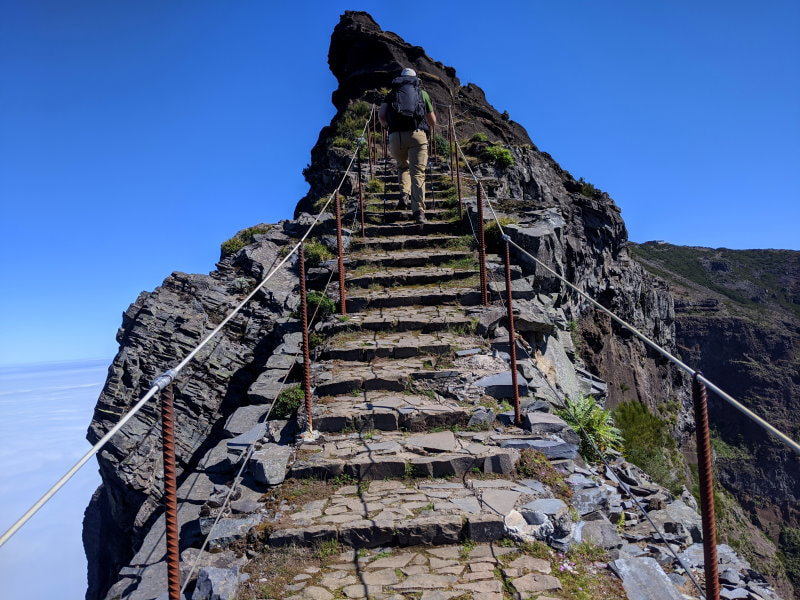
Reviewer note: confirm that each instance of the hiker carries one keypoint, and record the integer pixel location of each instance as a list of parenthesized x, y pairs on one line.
[(408, 113)]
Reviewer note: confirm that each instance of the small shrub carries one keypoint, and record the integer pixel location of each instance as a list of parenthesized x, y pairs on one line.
[(342, 142), (241, 239), (287, 402), (326, 549), (505, 116), (478, 137), (319, 204), (587, 189), (442, 145), (648, 444), (315, 339), (594, 425), (500, 156), (492, 235), (316, 253), (320, 303), (375, 186), (535, 465)]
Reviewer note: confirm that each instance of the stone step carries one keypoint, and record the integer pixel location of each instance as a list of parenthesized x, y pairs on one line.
[(360, 300), (411, 228), (407, 242), (375, 215), (386, 411), (466, 572), (433, 512), (394, 455), (426, 319), (409, 276), (364, 346), (409, 258), (335, 377)]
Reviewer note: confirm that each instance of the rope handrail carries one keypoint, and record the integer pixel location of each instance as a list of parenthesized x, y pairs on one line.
[(169, 376)]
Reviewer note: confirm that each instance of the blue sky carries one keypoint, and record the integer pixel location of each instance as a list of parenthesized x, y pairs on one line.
[(135, 137)]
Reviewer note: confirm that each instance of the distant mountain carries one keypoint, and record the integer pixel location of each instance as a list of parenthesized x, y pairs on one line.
[(737, 316)]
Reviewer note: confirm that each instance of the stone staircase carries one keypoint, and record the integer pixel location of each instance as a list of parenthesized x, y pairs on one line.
[(418, 485)]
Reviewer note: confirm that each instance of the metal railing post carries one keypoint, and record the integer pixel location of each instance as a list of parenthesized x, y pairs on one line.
[(361, 202), (369, 146), (340, 243), (458, 179), (512, 341), (482, 249), (706, 477), (306, 349), (170, 492), (451, 139)]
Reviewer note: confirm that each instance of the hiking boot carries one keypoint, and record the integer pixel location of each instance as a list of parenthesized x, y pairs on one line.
[(420, 218), (404, 203)]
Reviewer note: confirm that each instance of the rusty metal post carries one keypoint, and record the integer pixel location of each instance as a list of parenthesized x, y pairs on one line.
[(361, 202), (369, 147), (170, 492), (433, 138), (458, 185), (342, 294), (706, 487), (306, 349), (385, 145), (512, 340), (451, 138), (482, 250)]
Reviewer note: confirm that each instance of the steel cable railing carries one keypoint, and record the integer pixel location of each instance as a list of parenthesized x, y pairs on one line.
[(163, 380), (245, 455), (699, 385)]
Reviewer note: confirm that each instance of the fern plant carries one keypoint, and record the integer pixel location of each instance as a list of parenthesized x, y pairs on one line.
[(594, 425)]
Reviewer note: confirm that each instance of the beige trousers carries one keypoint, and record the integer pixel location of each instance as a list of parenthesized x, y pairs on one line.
[(410, 150)]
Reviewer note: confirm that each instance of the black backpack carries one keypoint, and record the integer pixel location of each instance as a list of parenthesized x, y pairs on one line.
[(406, 106)]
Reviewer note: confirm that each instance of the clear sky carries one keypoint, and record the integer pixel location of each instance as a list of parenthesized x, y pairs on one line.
[(135, 137)]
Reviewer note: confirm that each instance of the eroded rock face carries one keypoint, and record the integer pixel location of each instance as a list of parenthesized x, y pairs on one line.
[(158, 329)]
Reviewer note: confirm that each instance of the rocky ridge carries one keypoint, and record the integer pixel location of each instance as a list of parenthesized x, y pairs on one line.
[(418, 464)]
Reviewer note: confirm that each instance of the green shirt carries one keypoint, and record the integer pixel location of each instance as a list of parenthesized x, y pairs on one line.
[(427, 100)]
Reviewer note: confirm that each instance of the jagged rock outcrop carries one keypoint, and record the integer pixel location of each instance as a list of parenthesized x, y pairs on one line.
[(375, 384)]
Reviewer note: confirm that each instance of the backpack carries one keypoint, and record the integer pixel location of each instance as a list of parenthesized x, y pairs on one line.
[(406, 106)]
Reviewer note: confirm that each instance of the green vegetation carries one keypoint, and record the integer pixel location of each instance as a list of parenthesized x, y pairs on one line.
[(500, 156), (326, 549), (493, 237), (319, 204), (478, 137), (316, 253), (723, 449), (535, 465), (587, 189), (467, 546), (577, 337), (350, 125), (320, 303), (287, 402), (649, 445), (442, 145), (375, 186), (789, 554), (594, 425), (464, 242), (241, 239)]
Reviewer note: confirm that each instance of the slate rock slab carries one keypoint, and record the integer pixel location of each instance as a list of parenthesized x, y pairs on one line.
[(268, 465), (244, 419), (500, 386), (443, 441), (214, 583), (644, 579)]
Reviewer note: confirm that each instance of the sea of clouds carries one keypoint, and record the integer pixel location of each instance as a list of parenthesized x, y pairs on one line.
[(44, 412)]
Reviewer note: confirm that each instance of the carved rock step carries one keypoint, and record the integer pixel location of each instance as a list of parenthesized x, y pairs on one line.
[(336, 377), (405, 276), (406, 513), (438, 573), (411, 228), (387, 412), (367, 345), (426, 319), (406, 242), (375, 215), (408, 258), (361, 300)]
